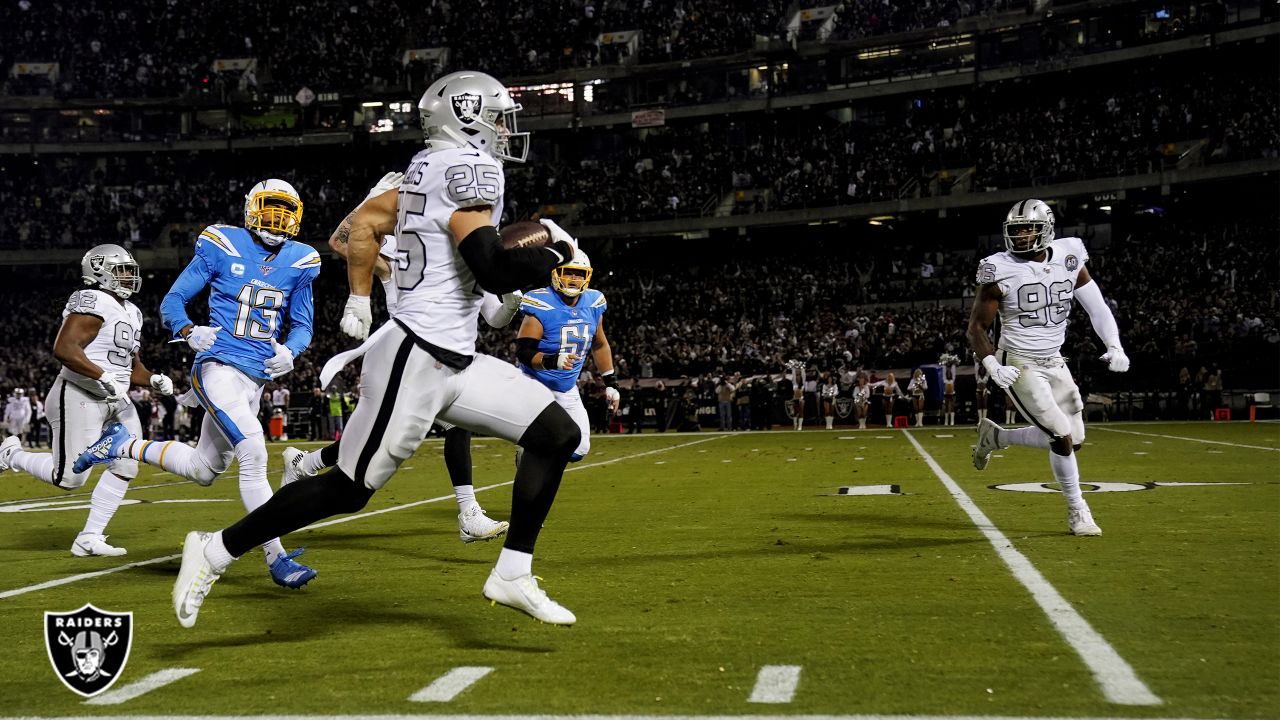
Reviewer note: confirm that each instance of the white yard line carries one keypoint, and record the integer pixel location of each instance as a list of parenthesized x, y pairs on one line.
[(1116, 678), (141, 687), (450, 685), (776, 684), (99, 573), (568, 717), (1188, 439)]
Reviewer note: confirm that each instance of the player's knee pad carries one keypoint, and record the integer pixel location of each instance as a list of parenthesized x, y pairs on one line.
[(124, 468), (553, 432), (70, 480), (338, 493)]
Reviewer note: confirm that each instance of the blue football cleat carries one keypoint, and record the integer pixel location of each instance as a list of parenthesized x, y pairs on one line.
[(104, 450), (290, 574)]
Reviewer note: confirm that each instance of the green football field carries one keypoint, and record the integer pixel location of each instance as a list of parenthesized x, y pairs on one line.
[(711, 575)]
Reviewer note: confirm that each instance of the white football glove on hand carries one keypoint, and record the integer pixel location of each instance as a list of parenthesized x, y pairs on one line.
[(202, 337), (390, 181), (357, 317), (558, 234), (511, 302), (613, 397), (1115, 359), (162, 384), (1003, 375), (110, 389), (280, 363)]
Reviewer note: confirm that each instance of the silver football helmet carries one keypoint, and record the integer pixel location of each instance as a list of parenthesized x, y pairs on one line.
[(470, 109), (1028, 228), (112, 269)]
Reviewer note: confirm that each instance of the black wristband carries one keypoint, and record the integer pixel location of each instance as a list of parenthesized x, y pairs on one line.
[(610, 379), (548, 358)]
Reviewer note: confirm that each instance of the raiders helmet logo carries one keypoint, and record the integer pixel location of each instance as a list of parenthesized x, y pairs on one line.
[(96, 262), (466, 107), (1073, 263), (844, 406), (88, 647)]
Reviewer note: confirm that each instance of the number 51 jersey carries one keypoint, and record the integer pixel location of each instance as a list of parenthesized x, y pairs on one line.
[(1037, 296), (438, 297), (565, 329)]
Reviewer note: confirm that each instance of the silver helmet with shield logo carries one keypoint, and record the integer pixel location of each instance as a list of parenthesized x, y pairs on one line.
[(113, 269), (470, 109), (1028, 228)]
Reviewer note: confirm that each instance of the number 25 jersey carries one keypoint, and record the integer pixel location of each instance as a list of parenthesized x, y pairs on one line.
[(438, 297), (565, 329), (1036, 296)]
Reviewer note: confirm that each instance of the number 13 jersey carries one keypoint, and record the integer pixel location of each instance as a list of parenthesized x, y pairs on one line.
[(438, 297), (1036, 296), (116, 342)]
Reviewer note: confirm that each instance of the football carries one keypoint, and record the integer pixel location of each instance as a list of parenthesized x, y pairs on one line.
[(525, 233)]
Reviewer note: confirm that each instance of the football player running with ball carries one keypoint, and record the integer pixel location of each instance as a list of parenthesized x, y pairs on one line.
[(255, 274), (423, 364), (98, 348), (561, 324), (1031, 286)]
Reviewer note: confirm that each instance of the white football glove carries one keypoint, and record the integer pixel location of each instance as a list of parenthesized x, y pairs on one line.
[(1115, 359), (280, 363), (357, 317), (511, 302), (162, 384), (558, 233), (613, 397), (110, 389), (390, 181), (202, 337), (1004, 376)]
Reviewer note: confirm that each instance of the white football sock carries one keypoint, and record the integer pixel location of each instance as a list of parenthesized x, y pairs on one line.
[(311, 464), (1029, 436), (107, 496), (255, 490), (466, 497), (1067, 472), (216, 553), (38, 465), (513, 563)]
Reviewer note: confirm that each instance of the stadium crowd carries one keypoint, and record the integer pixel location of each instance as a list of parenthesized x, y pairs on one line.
[(1196, 300)]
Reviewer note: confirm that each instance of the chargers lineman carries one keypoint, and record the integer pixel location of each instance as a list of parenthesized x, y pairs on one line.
[(473, 523), (561, 323), (98, 349), (424, 364), (1031, 286), (256, 273)]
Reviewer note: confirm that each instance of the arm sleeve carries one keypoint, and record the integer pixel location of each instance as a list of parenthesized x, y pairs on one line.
[(1104, 323), (495, 310), (173, 309), (301, 309), (501, 271), (526, 348)]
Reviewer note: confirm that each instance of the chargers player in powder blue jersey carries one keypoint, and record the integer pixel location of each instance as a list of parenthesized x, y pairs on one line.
[(258, 276), (561, 324)]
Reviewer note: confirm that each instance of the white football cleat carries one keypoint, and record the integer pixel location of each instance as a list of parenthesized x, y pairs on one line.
[(1080, 520), (88, 544), (988, 442), (195, 578), (474, 525), (292, 465), (523, 594), (11, 445)]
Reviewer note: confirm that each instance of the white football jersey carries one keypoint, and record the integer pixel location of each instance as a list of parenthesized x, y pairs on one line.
[(1037, 296), (117, 341), (439, 299)]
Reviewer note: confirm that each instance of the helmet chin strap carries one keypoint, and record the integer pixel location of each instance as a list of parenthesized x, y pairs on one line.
[(267, 238)]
